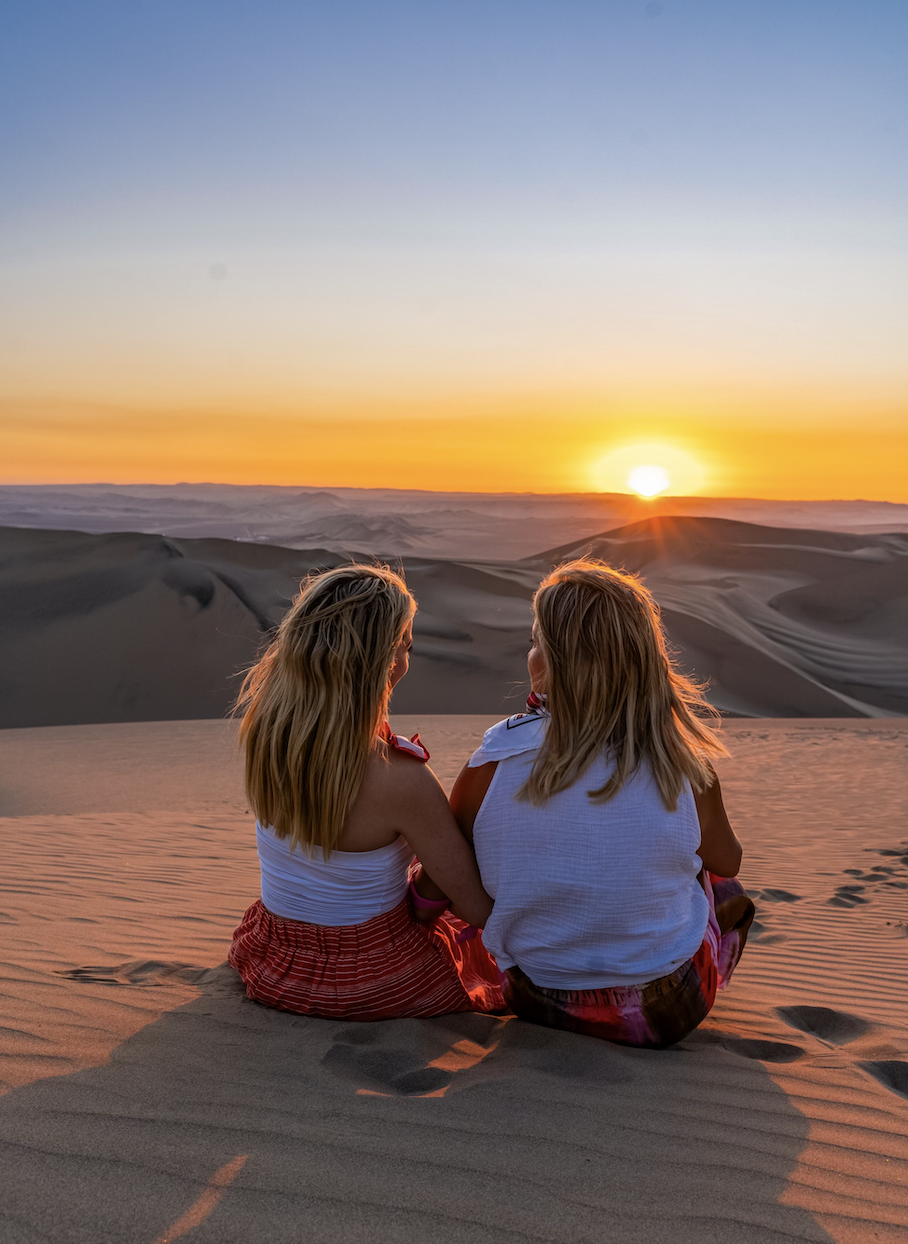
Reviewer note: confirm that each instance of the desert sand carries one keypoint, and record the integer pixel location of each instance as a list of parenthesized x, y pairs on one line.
[(782, 622), (147, 1100), (392, 521)]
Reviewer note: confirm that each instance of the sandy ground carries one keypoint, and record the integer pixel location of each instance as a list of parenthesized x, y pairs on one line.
[(146, 1100)]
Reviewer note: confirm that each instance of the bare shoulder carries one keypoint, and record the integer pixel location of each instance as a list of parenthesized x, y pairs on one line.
[(394, 774)]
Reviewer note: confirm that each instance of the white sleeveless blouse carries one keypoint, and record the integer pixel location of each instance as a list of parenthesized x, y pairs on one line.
[(350, 887), (587, 896)]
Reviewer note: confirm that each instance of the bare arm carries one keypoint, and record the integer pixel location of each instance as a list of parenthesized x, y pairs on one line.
[(719, 849), (430, 829), (468, 793)]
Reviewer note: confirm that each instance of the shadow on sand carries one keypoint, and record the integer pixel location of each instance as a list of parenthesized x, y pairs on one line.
[(224, 1121)]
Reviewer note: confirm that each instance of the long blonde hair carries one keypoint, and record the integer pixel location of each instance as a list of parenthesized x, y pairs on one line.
[(612, 686), (314, 704)]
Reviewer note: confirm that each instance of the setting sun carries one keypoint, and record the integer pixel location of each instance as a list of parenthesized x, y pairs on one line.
[(648, 481), (649, 469)]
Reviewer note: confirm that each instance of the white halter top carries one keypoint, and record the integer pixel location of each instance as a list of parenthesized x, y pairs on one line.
[(587, 896), (349, 887)]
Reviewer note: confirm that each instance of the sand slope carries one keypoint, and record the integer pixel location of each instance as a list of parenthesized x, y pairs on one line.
[(131, 627), (783, 622), (147, 1098), (388, 521), (128, 627)]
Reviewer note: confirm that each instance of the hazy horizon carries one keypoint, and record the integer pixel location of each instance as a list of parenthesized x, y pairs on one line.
[(483, 248), (334, 487)]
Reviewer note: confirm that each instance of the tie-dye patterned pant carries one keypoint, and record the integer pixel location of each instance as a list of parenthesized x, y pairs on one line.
[(663, 1011)]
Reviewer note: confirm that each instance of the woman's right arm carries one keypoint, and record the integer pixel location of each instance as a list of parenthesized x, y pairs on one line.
[(429, 827), (719, 849), (468, 793)]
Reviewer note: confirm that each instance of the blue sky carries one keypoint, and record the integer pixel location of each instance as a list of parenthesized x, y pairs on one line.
[(470, 113), (254, 204)]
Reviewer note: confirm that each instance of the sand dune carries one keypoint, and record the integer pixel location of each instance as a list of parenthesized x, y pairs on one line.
[(145, 1097), (395, 522), (132, 627), (135, 628), (782, 622)]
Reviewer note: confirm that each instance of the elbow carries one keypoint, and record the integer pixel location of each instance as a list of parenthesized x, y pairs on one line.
[(730, 863), (475, 913), (484, 911), (738, 856), (724, 863)]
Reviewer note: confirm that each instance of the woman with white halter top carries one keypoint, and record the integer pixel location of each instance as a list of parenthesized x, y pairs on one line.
[(342, 805), (599, 828)]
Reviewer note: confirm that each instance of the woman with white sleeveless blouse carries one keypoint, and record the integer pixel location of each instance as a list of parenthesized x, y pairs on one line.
[(599, 828)]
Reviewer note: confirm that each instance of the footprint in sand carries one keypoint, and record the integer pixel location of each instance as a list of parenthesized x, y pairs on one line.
[(848, 896), (763, 1051), (878, 875), (891, 1072), (385, 1071), (758, 931), (836, 1027), (841, 1028), (362, 1057), (900, 852), (151, 973), (892, 875)]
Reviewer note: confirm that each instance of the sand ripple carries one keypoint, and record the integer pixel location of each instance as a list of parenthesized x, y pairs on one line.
[(148, 1098)]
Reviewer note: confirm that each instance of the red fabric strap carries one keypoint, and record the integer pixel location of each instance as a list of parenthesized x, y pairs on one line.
[(412, 747)]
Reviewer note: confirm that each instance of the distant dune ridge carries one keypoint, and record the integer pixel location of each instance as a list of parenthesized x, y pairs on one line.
[(782, 622), (393, 522)]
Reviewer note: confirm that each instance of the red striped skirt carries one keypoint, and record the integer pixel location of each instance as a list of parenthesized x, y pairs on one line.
[(390, 966)]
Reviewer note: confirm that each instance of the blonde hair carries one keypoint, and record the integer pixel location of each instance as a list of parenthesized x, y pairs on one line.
[(314, 704), (612, 685)]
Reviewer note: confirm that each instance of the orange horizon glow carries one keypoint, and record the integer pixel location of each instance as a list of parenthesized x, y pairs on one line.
[(304, 257), (546, 448)]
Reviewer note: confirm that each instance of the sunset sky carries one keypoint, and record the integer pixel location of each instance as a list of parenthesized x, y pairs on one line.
[(491, 244)]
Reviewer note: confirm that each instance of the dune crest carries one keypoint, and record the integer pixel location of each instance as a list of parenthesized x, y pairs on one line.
[(781, 622), (395, 522)]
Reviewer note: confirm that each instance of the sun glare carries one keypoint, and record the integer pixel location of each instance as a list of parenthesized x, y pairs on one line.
[(649, 469), (648, 481)]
